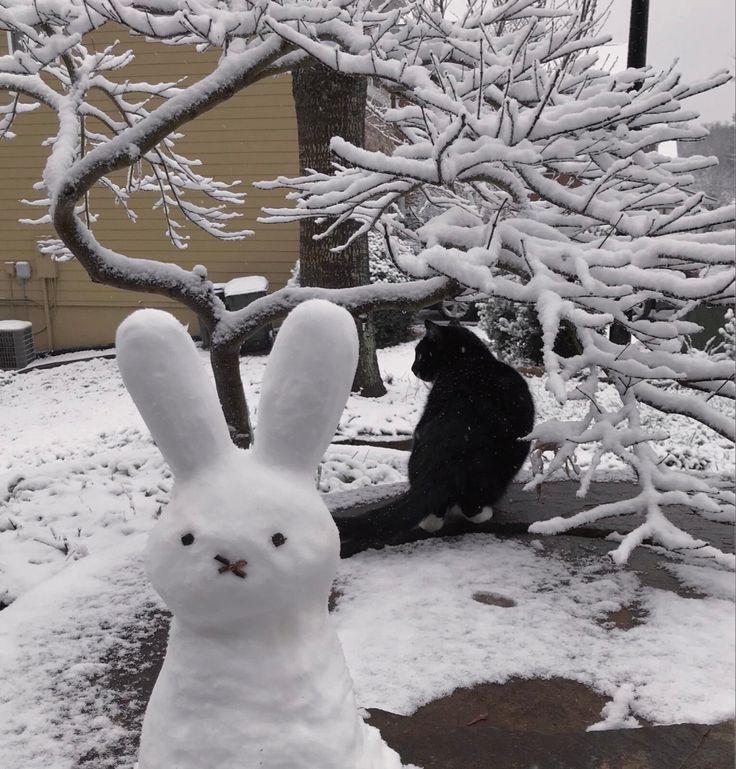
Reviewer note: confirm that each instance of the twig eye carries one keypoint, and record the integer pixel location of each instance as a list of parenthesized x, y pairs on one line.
[(278, 539), (187, 539)]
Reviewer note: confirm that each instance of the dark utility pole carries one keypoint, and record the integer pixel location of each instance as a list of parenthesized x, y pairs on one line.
[(638, 29), (636, 58)]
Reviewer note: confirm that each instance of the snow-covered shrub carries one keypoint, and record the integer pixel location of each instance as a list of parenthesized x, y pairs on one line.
[(515, 333), (391, 326), (686, 459), (513, 330)]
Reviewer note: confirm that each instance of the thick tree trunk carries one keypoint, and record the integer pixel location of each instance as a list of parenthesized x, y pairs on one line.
[(226, 368), (331, 104)]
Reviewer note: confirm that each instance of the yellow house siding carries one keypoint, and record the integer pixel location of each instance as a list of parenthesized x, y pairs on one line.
[(251, 137)]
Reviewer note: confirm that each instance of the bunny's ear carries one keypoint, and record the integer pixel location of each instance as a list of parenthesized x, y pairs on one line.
[(305, 386), (165, 377)]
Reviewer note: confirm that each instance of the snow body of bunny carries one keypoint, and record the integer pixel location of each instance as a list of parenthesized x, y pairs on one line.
[(245, 554)]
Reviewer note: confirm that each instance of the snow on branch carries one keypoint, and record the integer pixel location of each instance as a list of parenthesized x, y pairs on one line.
[(360, 300), (685, 403)]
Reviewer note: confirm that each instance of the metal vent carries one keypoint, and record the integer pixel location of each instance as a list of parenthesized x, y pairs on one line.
[(16, 344)]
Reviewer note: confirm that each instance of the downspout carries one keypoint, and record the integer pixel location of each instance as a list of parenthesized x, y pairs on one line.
[(47, 313)]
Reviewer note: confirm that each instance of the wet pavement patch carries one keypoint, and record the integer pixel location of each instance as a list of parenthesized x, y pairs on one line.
[(513, 514), (131, 672), (625, 618), (541, 723), (543, 706), (494, 599), (335, 595)]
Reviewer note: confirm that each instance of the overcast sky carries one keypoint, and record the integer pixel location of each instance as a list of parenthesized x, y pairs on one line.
[(700, 33)]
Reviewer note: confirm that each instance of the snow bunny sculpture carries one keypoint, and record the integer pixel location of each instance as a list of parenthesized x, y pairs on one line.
[(244, 556)]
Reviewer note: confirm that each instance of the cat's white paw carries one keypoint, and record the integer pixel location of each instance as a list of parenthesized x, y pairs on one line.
[(484, 515), (432, 523)]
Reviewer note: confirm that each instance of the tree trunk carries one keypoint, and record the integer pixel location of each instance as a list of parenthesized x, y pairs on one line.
[(331, 104), (226, 368)]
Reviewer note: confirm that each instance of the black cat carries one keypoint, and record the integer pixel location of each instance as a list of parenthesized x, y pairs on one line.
[(466, 448)]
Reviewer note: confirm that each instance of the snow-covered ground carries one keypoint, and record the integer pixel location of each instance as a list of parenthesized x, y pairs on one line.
[(81, 484)]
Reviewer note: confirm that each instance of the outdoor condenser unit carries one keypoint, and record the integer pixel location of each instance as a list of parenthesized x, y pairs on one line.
[(16, 344)]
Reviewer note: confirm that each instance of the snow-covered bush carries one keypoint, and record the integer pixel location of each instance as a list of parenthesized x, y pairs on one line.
[(391, 326), (515, 333), (513, 330)]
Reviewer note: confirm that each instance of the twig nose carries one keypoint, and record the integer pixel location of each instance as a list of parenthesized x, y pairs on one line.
[(236, 567)]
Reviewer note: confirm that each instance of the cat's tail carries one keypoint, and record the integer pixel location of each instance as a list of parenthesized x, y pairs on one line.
[(388, 525)]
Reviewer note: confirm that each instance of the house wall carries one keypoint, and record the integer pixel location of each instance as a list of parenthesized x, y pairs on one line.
[(251, 137)]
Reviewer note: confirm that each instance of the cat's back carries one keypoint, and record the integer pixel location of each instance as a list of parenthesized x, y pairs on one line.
[(473, 380)]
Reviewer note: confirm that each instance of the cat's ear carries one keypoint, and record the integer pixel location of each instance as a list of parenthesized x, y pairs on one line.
[(433, 329)]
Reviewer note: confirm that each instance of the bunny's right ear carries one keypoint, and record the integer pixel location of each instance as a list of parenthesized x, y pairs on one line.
[(305, 386), (167, 381)]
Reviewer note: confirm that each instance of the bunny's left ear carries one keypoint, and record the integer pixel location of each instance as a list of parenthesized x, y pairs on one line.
[(305, 386), (164, 375)]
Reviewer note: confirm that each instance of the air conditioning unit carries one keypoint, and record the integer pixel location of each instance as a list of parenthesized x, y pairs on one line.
[(16, 344)]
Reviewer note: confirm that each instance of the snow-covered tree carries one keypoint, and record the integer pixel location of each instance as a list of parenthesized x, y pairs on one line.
[(546, 187), (107, 123), (538, 164)]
